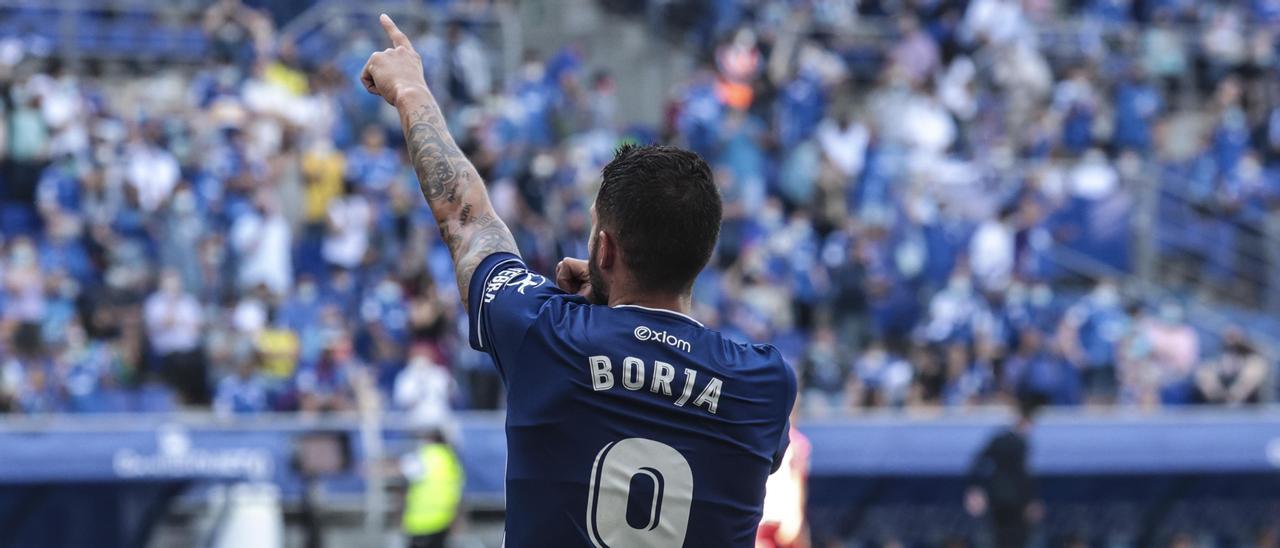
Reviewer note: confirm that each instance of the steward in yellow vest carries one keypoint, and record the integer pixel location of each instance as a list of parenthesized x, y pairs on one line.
[(435, 479)]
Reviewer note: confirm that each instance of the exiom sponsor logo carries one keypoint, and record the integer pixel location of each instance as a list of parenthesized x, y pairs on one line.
[(644, 333)]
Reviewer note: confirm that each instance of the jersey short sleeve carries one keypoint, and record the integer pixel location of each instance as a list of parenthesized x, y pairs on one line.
[(504, 300), (789, 377)]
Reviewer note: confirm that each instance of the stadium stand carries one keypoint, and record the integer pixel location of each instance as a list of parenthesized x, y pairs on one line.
[(903, 220)]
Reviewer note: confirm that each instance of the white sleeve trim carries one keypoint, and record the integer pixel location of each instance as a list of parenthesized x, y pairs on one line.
[(478, 325)]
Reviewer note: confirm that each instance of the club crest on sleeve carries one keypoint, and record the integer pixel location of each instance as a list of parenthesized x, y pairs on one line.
[(528, 281)]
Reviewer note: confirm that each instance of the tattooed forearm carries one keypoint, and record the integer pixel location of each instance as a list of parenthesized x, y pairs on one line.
[(440, 166), (453, 189), (485, 240)]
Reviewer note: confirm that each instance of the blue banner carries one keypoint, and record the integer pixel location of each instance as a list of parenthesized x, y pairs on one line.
[(96, 449)]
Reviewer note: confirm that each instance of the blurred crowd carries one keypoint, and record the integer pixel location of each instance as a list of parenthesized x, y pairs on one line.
[(247, 235)]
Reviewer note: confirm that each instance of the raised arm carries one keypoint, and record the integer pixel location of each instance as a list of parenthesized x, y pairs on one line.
[(451, 185)]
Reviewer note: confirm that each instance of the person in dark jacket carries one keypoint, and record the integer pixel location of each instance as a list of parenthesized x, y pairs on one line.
[(1001, 485)]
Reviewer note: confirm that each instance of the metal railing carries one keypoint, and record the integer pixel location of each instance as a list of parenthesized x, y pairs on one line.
[(1156, 252)]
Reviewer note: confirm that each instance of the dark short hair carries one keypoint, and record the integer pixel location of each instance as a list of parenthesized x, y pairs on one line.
[(662, 206)]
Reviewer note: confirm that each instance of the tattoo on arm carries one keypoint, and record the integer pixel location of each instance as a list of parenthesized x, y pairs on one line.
[(485, 240), (456, 194), (434, 155)]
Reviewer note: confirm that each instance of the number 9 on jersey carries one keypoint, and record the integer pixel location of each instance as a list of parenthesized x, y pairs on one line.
[(661, 519)]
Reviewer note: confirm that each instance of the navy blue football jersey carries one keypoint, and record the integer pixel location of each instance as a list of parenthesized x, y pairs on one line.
[(626, 426)]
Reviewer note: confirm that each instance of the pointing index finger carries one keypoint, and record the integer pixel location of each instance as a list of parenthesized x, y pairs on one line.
[(393, 32)]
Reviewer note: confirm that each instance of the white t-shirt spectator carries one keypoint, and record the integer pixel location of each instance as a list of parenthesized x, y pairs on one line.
[(22, 284), (1094, 177), (173, 322), (422, 389), (262, 242), (950, 308), (472, 64), (994, 21), (991, 255), (62, 108), (348, 237), (926, 125), (249, 316), (954, 88), (153, 171), (845, 147)]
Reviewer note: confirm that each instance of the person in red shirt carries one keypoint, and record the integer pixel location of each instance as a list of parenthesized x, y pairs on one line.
[(783, 524)]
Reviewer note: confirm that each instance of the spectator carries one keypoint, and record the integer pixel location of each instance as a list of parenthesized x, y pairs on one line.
[(174, 321), (1236, 377), (28, 146), (916, 54), (261, 239), (278, 347), (1075, 99), (1040, 373), (996, 22), (844, 143), (822, 375), (1161, 354), (423, 389), (1164, 55), (323, 168), (1137, 106), (26, 385), (152, 170), (326, 385), (243, 392), (373, 166), (468, 65), (968, 381), (22, 284), (991, 252), (350, 219), (881, 379), (92, 371), (1090, 334)]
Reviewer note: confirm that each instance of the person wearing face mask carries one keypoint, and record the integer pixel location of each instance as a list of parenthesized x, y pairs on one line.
[(184, 226), (469, 77), (1173, 347), (327, 385), (991, 252), (1236, 377), (277, 345), (173, 320), (952, 307), (261, 239), (1090, 335), (423, 389), (22, 283), (349, 221)]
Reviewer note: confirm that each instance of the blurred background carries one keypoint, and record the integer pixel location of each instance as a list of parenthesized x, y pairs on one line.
[(227, 319)]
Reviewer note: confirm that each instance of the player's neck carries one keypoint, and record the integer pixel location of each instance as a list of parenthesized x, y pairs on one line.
[(675, 303)]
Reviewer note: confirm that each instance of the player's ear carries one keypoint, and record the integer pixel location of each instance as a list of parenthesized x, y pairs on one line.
[(607, 250)]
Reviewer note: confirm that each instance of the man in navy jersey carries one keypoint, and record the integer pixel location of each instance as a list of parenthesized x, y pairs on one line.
[(628, 422)]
